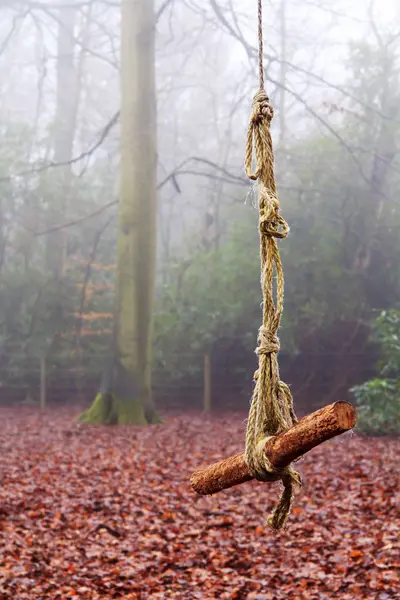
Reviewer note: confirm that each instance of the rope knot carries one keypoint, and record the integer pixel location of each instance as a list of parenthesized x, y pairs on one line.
[(263, 470), (268, 342), (262, 108), (274, 227), (261, 115), (271, 223), (261, 466)]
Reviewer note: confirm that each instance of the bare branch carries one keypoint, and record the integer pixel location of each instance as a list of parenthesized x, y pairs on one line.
[(14, 25), (43, 6), (252, 53), (163, 8), (52, 165), (95, 213), (179, 170)]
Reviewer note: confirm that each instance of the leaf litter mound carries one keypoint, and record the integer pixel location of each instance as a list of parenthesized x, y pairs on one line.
[(107, 512)]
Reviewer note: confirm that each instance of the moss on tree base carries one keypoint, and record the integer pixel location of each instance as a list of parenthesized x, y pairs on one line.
[(109, 409), (153, 417)]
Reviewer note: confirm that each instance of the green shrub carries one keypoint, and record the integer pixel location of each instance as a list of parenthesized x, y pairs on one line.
[(378, 400), (378, 407)]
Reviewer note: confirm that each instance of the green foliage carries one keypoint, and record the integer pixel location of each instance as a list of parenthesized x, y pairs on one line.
[(386, 331), (38, 311), (378, 400), (378, 406), (211, 297)]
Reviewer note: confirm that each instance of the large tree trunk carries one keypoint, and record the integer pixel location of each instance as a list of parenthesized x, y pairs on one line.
[(125, 396)]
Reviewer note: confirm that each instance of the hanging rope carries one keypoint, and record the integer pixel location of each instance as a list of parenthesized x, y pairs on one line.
[(271, 410)]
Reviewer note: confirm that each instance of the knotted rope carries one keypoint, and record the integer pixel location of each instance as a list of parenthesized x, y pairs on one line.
[(271, 410)]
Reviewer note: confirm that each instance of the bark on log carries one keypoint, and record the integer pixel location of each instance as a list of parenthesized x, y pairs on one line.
[(310, 431)]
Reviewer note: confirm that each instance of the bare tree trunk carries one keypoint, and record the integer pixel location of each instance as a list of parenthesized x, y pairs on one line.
[(384, 155), (125, 396), (64, 132)]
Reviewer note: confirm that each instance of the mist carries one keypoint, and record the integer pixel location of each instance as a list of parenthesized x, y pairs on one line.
[(130, 263)]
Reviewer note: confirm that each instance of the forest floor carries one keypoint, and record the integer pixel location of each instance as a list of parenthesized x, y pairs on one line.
[(102, 513)]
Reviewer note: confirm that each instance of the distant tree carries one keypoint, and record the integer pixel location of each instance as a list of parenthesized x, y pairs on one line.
[(63, 136)]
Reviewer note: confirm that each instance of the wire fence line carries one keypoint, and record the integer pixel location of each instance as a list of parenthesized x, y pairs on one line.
[(213, 381), (68, 378)]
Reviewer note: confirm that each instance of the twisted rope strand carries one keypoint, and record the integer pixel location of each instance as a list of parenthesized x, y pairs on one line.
[(260, 45)]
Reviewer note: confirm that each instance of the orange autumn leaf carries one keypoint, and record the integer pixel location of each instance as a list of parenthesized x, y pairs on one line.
[(297, 510), (93, 316), (356, 554)]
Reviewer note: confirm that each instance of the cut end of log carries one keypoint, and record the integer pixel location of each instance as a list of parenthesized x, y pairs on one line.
[(346, 415)]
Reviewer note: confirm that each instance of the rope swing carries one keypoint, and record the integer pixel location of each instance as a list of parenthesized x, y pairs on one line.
[(271, 410), (274, 436)]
